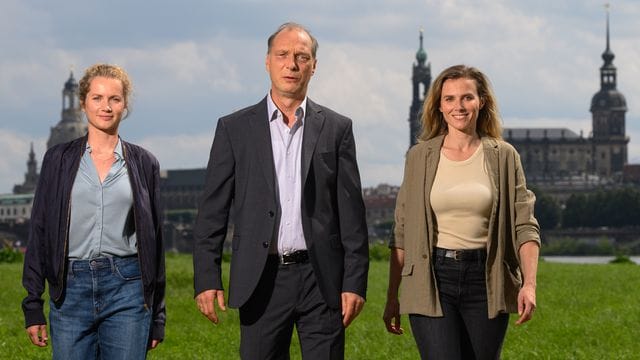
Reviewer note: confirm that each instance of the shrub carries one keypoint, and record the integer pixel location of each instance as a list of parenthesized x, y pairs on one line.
[(10, 255)]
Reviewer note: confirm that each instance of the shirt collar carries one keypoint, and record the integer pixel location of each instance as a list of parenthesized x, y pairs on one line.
[(273, 111), (117, 151)]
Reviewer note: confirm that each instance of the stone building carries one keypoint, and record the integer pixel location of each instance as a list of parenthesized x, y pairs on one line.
[(72, 125), (30, 177), (559, 156)]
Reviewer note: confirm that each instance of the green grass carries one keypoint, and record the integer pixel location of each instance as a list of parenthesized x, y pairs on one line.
[(584, 312)]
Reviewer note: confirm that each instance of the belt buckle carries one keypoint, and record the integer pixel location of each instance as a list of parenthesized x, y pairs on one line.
[(453, 254), (286, 262)]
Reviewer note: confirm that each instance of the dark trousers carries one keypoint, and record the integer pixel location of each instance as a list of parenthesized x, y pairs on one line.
[(288, 295), (465, 331)]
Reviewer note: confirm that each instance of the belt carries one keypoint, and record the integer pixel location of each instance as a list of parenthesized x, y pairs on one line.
[(462, 255), (296, 257)]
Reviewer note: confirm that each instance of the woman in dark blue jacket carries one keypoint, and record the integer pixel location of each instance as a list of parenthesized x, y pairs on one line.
[(96, 236)]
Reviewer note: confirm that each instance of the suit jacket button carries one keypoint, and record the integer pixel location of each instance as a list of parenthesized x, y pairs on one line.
[(271, 213), (265, 244), (424, 256)]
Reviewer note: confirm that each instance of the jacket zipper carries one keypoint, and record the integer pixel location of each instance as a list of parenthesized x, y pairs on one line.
[(66, 231), (135, 223)]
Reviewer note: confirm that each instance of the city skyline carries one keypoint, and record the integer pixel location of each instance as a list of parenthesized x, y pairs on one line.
[(191, 65)]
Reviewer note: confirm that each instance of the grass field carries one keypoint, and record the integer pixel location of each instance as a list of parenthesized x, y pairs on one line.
[(584, 312)]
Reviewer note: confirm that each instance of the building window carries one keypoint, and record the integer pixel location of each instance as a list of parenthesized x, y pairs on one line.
[(1, 211)]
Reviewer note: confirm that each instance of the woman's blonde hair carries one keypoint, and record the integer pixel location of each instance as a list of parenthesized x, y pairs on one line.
[(433, 123)]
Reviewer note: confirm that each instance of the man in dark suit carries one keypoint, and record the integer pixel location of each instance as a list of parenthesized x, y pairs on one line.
[(287, 166)]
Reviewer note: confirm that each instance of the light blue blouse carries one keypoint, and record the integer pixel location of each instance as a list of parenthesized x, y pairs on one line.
[(102, 220)]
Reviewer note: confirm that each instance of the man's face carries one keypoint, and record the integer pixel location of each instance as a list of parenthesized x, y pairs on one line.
[(290, 64)]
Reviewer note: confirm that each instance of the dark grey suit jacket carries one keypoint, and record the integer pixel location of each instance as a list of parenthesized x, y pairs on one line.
[(241, 172)]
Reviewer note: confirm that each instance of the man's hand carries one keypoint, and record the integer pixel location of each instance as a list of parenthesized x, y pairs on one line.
[(38, 335), (391, 317), (352, 304), (205, 301)]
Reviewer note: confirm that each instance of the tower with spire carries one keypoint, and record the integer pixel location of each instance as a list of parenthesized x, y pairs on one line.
[(71, 126), (557, 159), (421, 81), (30, 177), (608, 108)]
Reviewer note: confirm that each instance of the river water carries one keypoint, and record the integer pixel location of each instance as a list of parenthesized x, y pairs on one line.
[(586, 259)]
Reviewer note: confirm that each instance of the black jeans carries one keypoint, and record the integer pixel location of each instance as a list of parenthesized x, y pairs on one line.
[(465, 331)]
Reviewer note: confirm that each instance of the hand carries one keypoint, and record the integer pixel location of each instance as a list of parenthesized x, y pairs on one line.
[(154, 343), (391, 317), (38, 335), (205, 301), (352, 304), (526, 303)]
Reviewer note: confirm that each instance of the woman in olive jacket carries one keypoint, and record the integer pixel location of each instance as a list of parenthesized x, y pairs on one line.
[(466, 242)]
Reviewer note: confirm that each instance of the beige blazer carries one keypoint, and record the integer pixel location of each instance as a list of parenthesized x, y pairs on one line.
[(511, 224)]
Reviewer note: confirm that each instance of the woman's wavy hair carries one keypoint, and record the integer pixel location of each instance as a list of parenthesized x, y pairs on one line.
[(432, 119)]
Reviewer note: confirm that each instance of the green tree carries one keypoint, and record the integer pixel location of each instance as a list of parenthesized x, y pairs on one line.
[(547, 210)]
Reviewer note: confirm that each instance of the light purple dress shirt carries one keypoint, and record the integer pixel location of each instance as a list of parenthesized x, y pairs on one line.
[(286, 145)]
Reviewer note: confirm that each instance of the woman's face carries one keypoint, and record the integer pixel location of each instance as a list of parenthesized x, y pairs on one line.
[(105, 104), (460, 105)]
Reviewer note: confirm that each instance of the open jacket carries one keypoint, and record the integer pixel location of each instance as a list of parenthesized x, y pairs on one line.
[(511, 224), (47, 248)]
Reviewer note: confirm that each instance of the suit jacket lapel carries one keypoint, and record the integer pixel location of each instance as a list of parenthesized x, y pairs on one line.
[(261, 136), (313, 122)]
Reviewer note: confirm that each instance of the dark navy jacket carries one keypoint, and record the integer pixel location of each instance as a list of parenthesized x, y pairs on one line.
[(47, 248)]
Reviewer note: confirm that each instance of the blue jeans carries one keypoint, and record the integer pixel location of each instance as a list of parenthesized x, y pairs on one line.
[(102, 314), (465, 331)]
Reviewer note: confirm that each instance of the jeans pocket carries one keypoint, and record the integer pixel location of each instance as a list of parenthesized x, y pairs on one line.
[(128, 270)]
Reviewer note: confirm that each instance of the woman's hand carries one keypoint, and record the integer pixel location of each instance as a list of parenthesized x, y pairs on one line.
[(391, 316), (38, 335)]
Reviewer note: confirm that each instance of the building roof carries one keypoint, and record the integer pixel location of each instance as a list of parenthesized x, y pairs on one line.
[(15, 199), (183, 177), (539, 133)]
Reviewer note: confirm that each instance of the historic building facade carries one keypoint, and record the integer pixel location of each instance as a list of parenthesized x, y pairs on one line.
[(71, 126), (560, 156)]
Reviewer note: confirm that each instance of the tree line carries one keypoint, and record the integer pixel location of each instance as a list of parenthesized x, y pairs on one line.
[(613, 208)]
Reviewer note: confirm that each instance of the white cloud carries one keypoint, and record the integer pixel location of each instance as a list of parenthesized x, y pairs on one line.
[(180, 151)]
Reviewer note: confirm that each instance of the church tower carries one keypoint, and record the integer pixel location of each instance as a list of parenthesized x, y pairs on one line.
[(421, 78), (608, 108), (71, 126), (31, 176)]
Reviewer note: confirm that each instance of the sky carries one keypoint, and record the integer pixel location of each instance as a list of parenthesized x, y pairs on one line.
[(192, 62)]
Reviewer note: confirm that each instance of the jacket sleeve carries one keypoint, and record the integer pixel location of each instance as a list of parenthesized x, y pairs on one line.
[(159, 309), (213, 213), (33, 274), (352, 217), (526, 225), (397, 241)]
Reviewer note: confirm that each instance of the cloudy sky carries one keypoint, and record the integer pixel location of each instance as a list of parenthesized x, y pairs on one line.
[(194, 61)]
